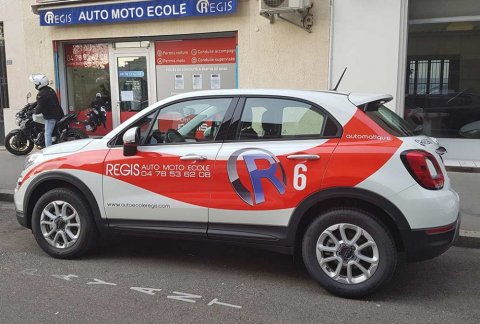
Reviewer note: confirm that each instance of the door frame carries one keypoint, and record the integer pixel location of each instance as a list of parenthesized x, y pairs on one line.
[(114, 53)]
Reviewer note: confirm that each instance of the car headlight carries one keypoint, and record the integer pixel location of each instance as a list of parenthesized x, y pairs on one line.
[(31, 160)]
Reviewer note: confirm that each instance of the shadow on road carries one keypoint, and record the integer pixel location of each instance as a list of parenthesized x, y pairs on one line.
[(451, 275), (191, 254)]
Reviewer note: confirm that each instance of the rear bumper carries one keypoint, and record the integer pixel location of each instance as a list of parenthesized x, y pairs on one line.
[(421, 245)]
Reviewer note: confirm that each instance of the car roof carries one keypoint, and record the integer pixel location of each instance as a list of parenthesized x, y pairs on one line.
[(258, 92), (356, 98)]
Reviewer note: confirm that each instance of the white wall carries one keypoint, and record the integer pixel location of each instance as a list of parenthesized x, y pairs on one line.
[(11, 15), (368, 37)]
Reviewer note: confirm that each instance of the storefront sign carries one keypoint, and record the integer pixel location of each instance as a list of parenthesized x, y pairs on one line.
[(196, 51), (135, 11), (131, 74), (195, 64)]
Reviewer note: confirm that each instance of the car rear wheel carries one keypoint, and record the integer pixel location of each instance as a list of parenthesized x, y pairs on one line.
[(62, 224), (349, 252)]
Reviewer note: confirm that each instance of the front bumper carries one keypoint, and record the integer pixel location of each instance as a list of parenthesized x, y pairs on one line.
[(420, 245)]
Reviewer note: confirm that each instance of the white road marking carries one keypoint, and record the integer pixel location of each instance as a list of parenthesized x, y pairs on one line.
[(65, 277), (215, 301), (180, 296), (184, 297), (30, 272), (101, 282), (148, 291)]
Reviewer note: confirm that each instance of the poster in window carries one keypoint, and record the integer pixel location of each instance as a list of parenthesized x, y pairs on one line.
[(197, 81), (215, 81), (179, 82)]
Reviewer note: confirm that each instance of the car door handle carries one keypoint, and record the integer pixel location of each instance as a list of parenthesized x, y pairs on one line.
[(303, 157), (193, 157)]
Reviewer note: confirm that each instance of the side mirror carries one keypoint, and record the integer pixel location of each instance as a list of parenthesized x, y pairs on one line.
[(131, 139)]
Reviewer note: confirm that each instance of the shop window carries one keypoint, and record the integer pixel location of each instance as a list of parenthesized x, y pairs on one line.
[(443, 78), (87, 74), (87, 69), (432, 75)]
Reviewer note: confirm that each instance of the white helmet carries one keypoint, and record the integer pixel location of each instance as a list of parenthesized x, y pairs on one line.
[(39, 80)]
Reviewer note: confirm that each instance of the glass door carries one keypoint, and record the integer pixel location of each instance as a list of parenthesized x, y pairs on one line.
[(132, 85), (132, 80)]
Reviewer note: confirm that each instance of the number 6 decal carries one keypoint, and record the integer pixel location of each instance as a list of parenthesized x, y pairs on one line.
[(299, 179)]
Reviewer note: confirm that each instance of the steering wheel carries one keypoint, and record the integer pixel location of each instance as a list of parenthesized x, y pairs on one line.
[(172, 136)]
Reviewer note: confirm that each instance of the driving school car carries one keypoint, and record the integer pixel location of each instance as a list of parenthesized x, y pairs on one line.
[(337, 178)]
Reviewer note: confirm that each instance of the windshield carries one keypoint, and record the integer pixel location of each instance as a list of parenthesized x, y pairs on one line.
[(390, 121)]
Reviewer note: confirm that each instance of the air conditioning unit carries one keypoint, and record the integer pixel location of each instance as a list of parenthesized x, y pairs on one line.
[(279, 6)]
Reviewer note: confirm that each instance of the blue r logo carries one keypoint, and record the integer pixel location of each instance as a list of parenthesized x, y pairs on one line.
[(256, 174)]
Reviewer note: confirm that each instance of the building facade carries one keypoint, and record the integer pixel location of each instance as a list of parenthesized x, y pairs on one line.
[(425, 53), (135, 63)]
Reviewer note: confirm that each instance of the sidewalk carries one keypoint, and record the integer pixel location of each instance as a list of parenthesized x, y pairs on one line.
[(468, 187), (10, 168), (466, 184)]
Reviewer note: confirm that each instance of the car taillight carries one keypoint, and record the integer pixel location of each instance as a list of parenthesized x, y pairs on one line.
[(424, 168)]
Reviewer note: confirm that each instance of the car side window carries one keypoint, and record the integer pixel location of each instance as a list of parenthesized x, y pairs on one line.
[(188, 121), (271, 118)]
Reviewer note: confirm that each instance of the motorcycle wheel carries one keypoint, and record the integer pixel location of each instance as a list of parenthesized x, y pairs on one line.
[(18, 146), (75, 134)]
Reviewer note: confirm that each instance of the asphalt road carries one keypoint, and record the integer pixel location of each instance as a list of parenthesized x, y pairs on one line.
[(126, 280)]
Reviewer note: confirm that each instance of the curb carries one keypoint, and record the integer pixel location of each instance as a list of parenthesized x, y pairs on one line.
[(6, 195), (462, 169), (468, 239)]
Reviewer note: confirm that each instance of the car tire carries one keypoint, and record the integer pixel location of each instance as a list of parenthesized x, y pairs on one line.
[(348, 264), (63, 225)]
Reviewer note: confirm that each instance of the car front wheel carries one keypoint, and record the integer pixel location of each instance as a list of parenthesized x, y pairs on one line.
[(62, 224), (349, 252)]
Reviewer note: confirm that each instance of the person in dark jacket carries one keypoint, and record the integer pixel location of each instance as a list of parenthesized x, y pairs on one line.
[(47, 104)]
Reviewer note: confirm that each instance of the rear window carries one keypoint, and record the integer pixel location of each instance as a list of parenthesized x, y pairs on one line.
[(390, 121)]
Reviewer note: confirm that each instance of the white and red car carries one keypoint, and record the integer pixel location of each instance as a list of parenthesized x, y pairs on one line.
[(337, 178)]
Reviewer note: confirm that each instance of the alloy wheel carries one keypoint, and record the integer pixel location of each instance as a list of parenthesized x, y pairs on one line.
[(347, 253), (60, 224)]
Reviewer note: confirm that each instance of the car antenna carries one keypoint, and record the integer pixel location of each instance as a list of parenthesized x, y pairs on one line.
[(340, 80)]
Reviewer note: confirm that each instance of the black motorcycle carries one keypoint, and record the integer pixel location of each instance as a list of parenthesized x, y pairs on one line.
[(21, 141), (95, 117)]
